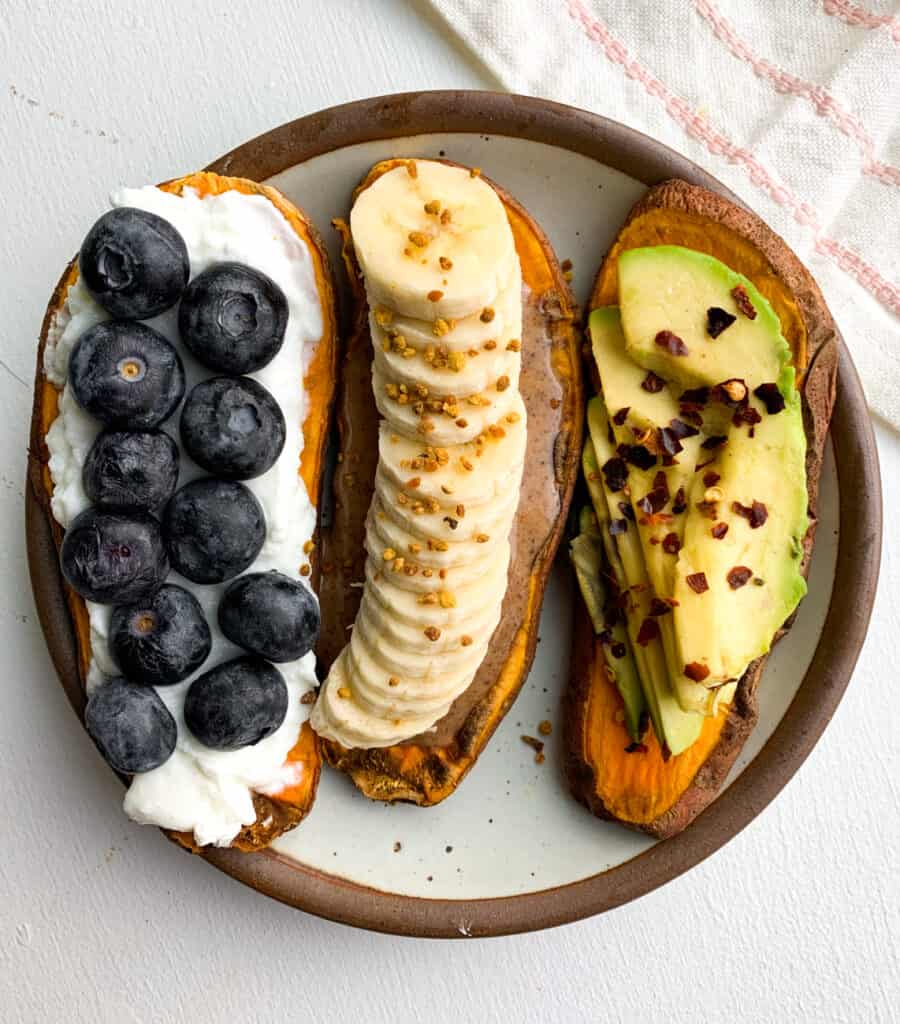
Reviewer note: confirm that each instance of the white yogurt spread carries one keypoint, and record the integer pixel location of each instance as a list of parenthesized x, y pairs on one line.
[(199, 790)]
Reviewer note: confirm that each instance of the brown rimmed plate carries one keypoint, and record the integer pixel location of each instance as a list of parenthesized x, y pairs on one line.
[(511, 851)]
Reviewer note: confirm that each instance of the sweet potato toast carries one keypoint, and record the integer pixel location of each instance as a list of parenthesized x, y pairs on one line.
[(282, 811), (644, 789), (427, 769)]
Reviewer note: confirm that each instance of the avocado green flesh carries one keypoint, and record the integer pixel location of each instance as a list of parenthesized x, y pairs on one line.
[(674, 726), (585, 551), (670, 288), (622, 381)]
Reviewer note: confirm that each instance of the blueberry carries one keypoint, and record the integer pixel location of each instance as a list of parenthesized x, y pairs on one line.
[(236, 704), (131, 469), (213, 529), (233, 318), (126, 374), (161, 640), (114, 557), (131, 726), (232, 427), (134, 263), (270, 614)]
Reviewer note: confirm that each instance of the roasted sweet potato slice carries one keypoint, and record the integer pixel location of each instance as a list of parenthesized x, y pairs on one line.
[(279, 812), (427, 769), (641, 789)]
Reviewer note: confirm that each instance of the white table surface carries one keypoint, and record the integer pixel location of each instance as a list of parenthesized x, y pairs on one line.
[(100, 920)]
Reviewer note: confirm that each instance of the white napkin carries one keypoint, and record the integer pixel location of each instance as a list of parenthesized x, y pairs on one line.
[(794, 106)]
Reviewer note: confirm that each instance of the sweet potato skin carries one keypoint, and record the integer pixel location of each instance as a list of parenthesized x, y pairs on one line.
[(274, 814), (417, 771), (676, 212)]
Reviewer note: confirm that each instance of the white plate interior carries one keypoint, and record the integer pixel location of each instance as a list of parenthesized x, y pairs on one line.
[(512, 827)]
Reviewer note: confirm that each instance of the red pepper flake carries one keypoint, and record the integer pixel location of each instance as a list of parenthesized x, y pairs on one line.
[(694, 396), (636, 748), (755, 514), (671, 544), (770, 397), (719, 530), (746, 414), (621, 416), (738, 576), (697, 582), (681, 430), (659, 607), (742, 301), (654, 501), (671, 343), (618, 526), (711, 478), (696, 671), (652, 383), (639, 455), (626, 510), (615, 473), (679, 504), (708, 509), (718, 320), (649, 631), (618, 650), (716, 441), (661, 482)]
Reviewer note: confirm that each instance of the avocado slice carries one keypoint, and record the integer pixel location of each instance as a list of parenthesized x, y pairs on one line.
[(635, 405), (669, 292), (585, 551), (674, 726), (744, 530)]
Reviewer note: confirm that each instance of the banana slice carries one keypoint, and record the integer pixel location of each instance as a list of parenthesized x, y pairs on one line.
[(413, 641), (437, 376), (441, 473), (460, 423), (437, 555), (469, 332), (449, 263), (338, 717)]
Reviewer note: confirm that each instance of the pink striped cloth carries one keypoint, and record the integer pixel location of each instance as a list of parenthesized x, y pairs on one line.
[(795, 106)]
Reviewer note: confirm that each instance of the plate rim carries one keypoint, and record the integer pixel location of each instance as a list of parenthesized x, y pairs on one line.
[(857, 565)]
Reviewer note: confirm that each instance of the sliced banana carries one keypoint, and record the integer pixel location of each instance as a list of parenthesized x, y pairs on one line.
[(449, 263), (460, 423), (452, 373)]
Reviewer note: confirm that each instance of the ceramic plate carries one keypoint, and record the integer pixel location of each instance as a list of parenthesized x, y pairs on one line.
[(511, 850)]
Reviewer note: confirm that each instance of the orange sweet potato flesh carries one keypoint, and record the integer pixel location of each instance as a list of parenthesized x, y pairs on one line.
[(426, 770), (276, 813), (642, 789)]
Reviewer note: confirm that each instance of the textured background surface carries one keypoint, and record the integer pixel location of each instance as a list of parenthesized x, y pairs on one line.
[(797, 918)]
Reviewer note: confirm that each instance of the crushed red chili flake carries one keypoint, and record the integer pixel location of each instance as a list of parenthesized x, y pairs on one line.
[(693, 413), (618, 526), (697, 582), (738, 576), (626, 510), (649, 631), (661, 482), (652, 383), (681, 429), (669, 442), (671, 544), (708, 509), (640, 456), (770, 397), (659, 607), (671, 343), (695, 396), (742, 301), (755, 514), (716, 441), (615, 472), (719, 530), (746, 414), (679, 503), (717, 320), (696, 671), (636, 748), (621, 416), (618, 650), (711, 478), (654, 501)]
